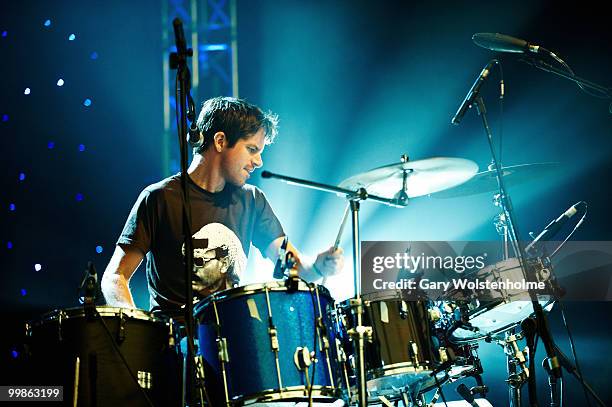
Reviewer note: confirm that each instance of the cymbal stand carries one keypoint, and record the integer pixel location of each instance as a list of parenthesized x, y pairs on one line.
[(359, 332)]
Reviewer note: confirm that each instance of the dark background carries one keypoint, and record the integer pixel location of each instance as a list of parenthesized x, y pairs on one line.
[(356, 84)]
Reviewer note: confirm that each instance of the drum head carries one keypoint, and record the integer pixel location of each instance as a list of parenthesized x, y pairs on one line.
[(497, 319)]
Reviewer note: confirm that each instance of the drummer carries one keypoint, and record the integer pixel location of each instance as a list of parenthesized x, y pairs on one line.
[(228, 215)]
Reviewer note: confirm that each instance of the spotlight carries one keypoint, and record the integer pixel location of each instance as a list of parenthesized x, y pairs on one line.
[(27, 91), (87, 102), (71, 37), (37, 267), (60, 82)]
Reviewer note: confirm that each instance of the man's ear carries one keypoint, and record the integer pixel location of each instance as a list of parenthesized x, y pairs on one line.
[(219, 141)]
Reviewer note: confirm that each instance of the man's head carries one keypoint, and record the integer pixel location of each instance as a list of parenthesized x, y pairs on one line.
[(236, 118)]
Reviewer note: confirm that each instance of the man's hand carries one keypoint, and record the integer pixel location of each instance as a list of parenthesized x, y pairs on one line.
[(329, 262)]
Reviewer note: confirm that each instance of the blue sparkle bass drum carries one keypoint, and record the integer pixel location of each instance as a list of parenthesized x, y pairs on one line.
[(268, 342)]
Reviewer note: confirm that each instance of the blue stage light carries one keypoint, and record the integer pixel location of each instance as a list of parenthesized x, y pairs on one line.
[(5, 117), (87, 102), (71, 37), (12, 207), (4, 34), (9, 245), (79, 197), (23, 292), (81, 147), (48, 23), (94, 55), (60, 82), (99, 249), (14, 353), (50, 145), (21, 176)]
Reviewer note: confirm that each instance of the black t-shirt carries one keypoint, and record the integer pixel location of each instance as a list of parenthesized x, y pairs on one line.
[(223, 225)]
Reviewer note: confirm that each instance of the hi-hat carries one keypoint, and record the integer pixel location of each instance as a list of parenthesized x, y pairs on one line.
[(409, 179), (486, 181)]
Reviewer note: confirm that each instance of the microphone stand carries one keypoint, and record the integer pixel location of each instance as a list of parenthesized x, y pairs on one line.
[(506, 204), (544, 66), (178, 61), (512, 228), (570, 368), (359, 333)]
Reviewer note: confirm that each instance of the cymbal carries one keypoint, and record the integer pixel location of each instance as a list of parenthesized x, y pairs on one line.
[(486, 181), (415, 178)]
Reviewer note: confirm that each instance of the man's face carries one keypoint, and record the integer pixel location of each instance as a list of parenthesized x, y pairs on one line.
[(240, 161)]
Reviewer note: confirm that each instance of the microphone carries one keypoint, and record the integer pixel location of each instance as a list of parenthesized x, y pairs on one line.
[(279, 268), (473, 93), (179, 36), (194, 137), (505, 43), (554, 226)]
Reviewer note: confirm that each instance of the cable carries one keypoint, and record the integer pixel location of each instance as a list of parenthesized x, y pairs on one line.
[(573, 348), (573, 231)]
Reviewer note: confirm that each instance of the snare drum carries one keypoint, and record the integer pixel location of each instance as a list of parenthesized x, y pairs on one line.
[(73, 349), (494, 311), (403, 352), (253, 341)]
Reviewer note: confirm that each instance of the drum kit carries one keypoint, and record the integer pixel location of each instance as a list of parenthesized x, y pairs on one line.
[(288, 340)]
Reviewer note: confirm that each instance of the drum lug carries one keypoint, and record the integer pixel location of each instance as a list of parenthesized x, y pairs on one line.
[(222, 347), (121, 332), (413, 350), (443, 354), (60, 317), (273, 338), (323, 334)]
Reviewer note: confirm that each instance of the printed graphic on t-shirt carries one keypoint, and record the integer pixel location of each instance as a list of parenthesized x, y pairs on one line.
[(218, 259)]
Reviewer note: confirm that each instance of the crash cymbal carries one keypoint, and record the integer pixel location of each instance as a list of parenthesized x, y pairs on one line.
[(415, 178), (486, 181)]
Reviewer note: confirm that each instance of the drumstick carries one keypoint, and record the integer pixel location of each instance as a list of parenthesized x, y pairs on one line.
[(342, 224), (337, 242)]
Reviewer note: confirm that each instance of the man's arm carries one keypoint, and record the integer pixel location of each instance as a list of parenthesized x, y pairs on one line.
[(116, 278), (327, 263)]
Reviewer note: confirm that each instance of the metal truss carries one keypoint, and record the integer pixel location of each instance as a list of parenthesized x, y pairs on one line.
[(210, 30)]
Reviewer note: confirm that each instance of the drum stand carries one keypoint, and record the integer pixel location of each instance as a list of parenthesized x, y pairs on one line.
[(518, 372), (359, 333)]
